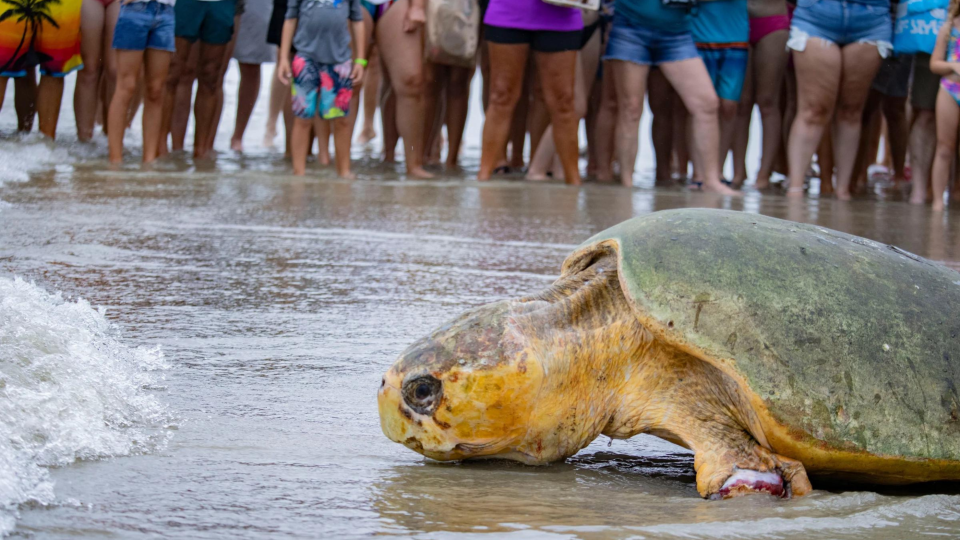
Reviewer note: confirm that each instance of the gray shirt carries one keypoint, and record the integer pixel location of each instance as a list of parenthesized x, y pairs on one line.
[(323, 34)]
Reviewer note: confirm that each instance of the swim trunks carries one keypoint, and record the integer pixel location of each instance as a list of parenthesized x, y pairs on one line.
[(727, 67), (210, 21), (321, 89), (55, 48)]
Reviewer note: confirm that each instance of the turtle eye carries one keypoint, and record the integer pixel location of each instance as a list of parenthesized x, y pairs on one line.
[(422, 394)]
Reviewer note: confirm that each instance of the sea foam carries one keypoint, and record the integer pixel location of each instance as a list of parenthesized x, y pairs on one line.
[(70, 389)]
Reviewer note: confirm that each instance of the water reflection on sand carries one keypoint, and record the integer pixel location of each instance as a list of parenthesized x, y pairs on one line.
[(280, 301)]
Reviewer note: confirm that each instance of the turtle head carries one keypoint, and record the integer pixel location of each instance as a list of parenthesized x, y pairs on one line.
[(465, 391), (534, 379)]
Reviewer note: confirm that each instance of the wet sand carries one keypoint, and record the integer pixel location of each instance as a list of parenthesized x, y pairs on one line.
[(278, 302)]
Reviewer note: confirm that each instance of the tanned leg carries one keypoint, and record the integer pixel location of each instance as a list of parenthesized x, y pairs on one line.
[(246, 100), (508, 67), (25, 100), (49, 98), (157, 65)]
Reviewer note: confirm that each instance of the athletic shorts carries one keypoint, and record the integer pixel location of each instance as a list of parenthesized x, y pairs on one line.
[(145, 25), (841, 22), (647, 46), (727, 67), (539, 40), (210, 21), (893, 78), (321, 89), (923, 92)]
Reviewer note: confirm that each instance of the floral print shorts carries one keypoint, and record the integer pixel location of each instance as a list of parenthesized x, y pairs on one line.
[(323, 89)]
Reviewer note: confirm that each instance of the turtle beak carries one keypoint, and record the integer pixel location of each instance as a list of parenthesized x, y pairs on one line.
[(394, 418)]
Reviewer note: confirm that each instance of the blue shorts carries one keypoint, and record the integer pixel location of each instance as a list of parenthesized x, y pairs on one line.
[(727, 68), (647, 46), (841, 22), (145, 25), (209, 21)]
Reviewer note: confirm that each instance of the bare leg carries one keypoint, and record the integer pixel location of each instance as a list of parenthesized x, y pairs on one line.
[(204, 108), (402, 53), (278, 95), (895, 111), (92, 15), (371, 92), (691, 81), (630, 80), (923, 140), (818, 80), (558, 73), (170, 97), (342, 131), (434, 82), (300, 145), (458, 105), (25, 100), (388, 116), (322, 132), (206, 147), (246, 100), (948, 117), (770, 63), (867, 148), (156, 65), (129, 64), (741, 135), (508, 68), (49, 98), (660, 96), (606, 124), (860, 64)]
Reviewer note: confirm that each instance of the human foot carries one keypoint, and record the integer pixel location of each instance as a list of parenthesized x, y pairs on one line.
[(366, 136), (419, 172), (269, 137), (720, 188), (795, 192), (236, 145)]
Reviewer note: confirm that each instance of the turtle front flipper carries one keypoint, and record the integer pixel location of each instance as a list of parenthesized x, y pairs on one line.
[(745, 467)]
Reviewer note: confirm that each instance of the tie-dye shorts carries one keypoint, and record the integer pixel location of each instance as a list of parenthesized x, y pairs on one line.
[(323, 89)]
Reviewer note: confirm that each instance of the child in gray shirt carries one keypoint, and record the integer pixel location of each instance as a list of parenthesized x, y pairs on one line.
[(322, 72)]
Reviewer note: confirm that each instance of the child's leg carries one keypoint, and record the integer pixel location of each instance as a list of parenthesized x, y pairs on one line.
[(341, 143), (299, 145), (157, 65), (948, 116), (128, 69)]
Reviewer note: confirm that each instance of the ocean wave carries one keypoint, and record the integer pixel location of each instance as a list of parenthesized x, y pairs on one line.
[(70, 390)]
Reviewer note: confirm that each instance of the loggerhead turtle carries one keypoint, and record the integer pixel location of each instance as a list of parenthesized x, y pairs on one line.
[(771, 349)]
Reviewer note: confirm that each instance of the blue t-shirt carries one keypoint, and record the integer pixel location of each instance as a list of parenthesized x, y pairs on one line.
[(721, 21), (652, 14)]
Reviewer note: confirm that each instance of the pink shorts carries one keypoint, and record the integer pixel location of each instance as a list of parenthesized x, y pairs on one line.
[(761, 27)]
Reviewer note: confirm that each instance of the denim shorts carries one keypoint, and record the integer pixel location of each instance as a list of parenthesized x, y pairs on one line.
[(647, 46), (144, 25), (210, 21), (842, 23)]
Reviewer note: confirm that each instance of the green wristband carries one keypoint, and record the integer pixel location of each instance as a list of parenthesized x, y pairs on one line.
[(361, 62)]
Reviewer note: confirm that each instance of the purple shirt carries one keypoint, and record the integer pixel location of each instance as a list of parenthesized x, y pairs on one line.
[(533, 15)]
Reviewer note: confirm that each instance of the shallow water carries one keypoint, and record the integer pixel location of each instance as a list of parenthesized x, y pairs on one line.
[(277, 303)]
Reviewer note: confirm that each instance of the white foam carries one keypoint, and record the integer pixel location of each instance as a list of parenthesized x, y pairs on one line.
[(69, 390)]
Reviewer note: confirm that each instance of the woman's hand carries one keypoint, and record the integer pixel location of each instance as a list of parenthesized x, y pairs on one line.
[(414, 18)]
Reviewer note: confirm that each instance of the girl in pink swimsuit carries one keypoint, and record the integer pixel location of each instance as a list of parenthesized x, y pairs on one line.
[(945, 61)]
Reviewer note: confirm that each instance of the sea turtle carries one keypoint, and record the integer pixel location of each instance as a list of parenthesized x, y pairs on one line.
[(771, 349)]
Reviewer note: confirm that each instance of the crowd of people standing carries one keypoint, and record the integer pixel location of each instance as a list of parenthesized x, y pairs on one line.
[(829, 78)]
